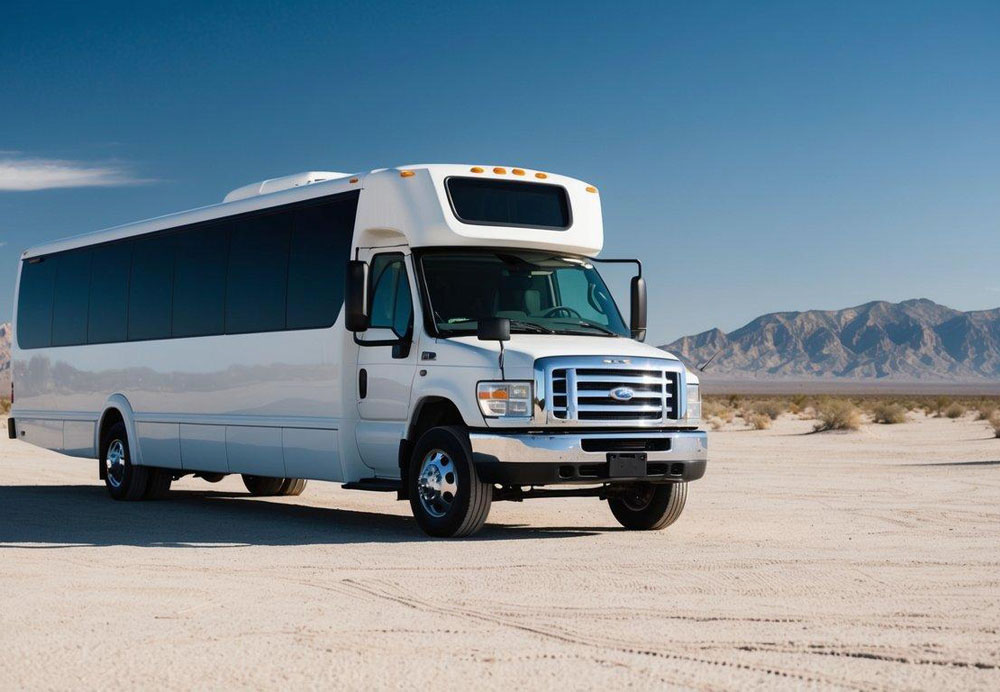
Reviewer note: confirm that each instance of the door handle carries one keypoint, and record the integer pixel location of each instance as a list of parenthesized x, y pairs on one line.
[(362, 383)]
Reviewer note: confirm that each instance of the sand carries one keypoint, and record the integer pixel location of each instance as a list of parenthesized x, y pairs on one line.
[(861, 560)]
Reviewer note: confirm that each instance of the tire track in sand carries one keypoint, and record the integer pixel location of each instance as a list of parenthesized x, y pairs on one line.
[(394, 593)]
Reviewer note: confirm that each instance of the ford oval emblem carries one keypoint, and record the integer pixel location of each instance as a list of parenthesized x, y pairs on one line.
[(622, 393)]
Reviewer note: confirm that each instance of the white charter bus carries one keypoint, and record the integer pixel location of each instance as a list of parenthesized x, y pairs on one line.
[(437, 331)]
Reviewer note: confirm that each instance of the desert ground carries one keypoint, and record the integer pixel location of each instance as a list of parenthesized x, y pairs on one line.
[(858, 560)]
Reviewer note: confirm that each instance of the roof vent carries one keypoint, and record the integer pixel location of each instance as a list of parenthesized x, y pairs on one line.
[(285, 182)]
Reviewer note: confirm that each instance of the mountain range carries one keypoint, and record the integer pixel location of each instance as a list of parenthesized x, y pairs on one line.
[(912, 340)]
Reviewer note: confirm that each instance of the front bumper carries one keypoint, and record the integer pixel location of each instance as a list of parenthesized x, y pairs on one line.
[(590, 457)]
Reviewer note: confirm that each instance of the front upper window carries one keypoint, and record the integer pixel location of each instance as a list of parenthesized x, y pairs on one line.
[(489, 202), (539, 292)]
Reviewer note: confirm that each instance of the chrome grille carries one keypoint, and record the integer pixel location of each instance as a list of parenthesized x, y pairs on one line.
[(585, 394)]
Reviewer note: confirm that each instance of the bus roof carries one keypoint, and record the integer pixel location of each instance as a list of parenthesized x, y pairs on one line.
[(407, 202)]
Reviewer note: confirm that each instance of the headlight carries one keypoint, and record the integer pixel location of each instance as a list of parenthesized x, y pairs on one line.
[(498, 399), (693, 402)]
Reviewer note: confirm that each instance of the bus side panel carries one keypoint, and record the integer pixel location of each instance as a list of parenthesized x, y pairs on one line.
[(160, 443), (312, 453), (203, 448), (41, 432), (78, 438), (255, 450)]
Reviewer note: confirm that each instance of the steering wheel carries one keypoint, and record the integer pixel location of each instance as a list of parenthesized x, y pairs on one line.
[(567, 311)]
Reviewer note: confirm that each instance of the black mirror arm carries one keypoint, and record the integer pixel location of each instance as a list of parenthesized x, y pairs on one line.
[(635, 261), (400, 346), (379, 342)]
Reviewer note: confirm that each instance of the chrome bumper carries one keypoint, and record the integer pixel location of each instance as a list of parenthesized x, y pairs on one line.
[(550, 459), (684, 445)]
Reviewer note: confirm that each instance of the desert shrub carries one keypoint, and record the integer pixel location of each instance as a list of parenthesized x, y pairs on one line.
[(837, 414), (718, 407), (955, 410), (889, 413), (986, 412), (995, 423), (758, 421), (940, 404), (715, 423), (769, 407)]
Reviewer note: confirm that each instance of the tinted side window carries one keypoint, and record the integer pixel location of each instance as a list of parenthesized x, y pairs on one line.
[(391, 306), (258, 275), (109, 277), (34, 304), (320, 248), (151, 288), (72, 292), (200, 282)]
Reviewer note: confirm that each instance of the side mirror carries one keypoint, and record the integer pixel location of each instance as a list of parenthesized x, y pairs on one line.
[(355, 300), (637, 320), (493, 329)]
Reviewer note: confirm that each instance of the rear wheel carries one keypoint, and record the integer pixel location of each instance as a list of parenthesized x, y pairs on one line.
[(159, 484), (123, 480), (264, 486), (292, 486), (649, 506), (446, 495)]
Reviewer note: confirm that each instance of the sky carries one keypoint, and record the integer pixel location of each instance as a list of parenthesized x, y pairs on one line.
[(756, 156)]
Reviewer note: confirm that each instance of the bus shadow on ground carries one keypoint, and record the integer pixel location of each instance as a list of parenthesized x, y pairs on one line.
[(62, 516)]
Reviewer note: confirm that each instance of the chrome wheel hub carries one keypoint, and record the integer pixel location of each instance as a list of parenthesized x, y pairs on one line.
[(437, 484), (114, 463)]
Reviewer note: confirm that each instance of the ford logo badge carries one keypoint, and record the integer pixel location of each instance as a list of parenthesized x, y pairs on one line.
[(622, 393)]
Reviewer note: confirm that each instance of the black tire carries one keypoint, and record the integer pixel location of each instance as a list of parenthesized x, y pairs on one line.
[(123, 480), (452, 474), (649, 506), (210, 477), (292, 487), (158, 486), (263, 486)]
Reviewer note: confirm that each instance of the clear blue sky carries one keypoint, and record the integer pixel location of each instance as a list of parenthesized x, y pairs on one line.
[(757, 156)]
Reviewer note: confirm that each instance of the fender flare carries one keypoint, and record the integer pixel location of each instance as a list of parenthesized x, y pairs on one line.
[(119, 403)]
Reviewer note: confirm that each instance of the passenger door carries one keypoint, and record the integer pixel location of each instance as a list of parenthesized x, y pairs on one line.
[(385, 372)]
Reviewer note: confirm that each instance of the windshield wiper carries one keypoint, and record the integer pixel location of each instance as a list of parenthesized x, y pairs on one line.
[(532, 326), (521, 324), (593, 325)]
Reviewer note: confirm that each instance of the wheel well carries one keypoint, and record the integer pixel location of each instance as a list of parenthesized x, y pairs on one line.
[(110, 418), (430, 413)]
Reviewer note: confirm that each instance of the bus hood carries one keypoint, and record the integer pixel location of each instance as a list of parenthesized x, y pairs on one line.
[(521, 352)]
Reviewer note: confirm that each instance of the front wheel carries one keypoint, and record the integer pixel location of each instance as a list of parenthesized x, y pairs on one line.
[(649, 506), (446, 495)]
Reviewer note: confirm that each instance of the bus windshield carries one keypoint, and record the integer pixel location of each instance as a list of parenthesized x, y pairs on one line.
[(537, 291)]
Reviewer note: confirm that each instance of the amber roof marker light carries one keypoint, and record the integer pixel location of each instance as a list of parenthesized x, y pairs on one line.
[(541, 176), (476, 169), (517, 171), (500, 171), (591, 188), (406, 174)]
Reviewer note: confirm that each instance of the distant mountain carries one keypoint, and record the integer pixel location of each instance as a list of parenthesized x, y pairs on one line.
[(912, 340)]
